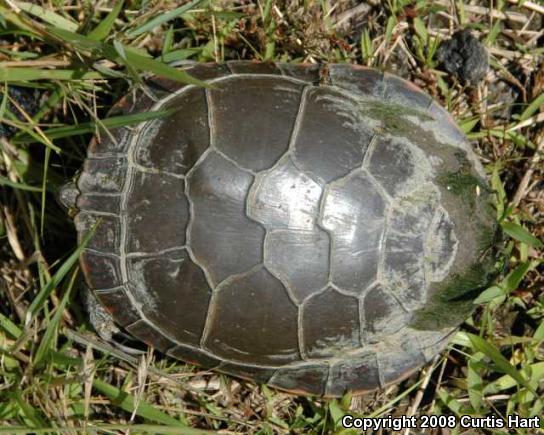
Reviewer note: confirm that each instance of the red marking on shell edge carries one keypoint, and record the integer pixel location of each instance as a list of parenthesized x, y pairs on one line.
[(85, 268), (362, 67)]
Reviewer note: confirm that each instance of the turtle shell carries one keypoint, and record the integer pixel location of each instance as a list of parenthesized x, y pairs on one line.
[(318, 229)]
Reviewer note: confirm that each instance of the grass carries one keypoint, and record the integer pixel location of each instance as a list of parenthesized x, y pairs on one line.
[(57, 377)]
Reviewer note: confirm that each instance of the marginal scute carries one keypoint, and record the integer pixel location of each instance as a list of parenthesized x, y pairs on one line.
[(353, 213), (103, 175), (400, 91), (173, 293), (217, 190), (398, 166), (118, 304), (300, 259), (306, 72), (208, 71), (303, 378), (430, 342), (332, 152), (115, 141), (253, 321), (149, 335), (442, 122), (175, 143), (445, 131), (101, 271), (284, 197), (162, 87), (400, 360), (383, 315), (136, 101), (147, 230), (330, 324), (252, 67), (258, 374), (106, 235), (118, 140), (193, 355), (258, 144), (358, 373), (360, 80), (99, 203)]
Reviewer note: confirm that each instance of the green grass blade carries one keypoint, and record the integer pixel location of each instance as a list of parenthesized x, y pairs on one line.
[(90, 127), (4, 102), (132, 57), (52, 328), (163, 18), (82, 42), (493, 33), (532, 108), (106, 428), (32, 74), (127, 402), (467, 125), (539, 333), (181, 54), (15, 19), (29, 413), (514, 278), (367, 50), (507, 285), (391, 22), (48, 16), (162, 70), (103, 29), (520, 234), (501, 363), (489, 294), (474, 385), (44, 188), (21, 186), (498, 188), (421, 30), (11, 328), (506, 382), (59, 275), (449, 400), (168, 40)]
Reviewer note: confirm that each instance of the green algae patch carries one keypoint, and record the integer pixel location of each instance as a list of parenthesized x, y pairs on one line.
[(461, 183), (391, 115), (452, 301)]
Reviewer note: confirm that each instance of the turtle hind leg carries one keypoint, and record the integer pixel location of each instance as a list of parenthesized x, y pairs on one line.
[(105, 327)]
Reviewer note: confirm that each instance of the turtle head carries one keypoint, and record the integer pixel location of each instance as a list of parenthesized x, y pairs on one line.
[(67, 196)]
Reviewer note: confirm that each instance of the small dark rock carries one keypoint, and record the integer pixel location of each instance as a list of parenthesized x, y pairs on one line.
[(464, 56), (27, 98)]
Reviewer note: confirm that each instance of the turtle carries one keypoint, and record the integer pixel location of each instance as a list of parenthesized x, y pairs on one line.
[(316, 228)]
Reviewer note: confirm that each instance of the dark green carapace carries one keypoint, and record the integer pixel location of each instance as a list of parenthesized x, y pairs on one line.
[(319, 229)]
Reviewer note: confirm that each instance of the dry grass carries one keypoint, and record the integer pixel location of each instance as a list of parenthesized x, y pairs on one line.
[(56, 376)]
